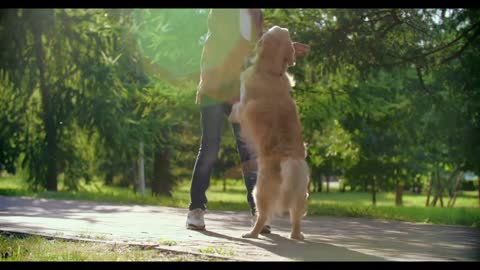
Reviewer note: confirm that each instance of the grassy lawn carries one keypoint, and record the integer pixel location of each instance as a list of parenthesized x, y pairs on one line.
[(353, 204), (36, 248)]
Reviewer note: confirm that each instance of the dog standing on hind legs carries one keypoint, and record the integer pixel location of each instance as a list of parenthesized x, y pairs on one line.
[(271, 127)]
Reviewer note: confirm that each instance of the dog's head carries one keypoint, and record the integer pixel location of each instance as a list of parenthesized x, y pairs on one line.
[(275, 50)]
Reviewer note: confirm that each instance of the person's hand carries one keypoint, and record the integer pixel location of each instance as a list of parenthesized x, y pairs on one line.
[(300, 49)]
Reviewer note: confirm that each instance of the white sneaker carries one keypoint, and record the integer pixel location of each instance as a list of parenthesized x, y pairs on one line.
[(195, 219)]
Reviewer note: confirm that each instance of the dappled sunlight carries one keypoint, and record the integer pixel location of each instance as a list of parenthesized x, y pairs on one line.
[(327, 238), (354, 204)]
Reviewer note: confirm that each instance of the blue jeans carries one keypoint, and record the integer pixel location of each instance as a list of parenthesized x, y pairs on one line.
[(212, 117)]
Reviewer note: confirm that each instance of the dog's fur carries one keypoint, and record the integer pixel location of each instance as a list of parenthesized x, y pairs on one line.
[(271, 126)]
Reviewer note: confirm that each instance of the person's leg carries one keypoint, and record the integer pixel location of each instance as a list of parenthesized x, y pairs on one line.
[(249, 174), (211, 124)]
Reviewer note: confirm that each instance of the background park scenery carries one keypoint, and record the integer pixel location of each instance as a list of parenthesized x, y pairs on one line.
[(99, 104)]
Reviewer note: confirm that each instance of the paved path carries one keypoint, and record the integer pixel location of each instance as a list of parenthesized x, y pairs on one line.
[(327, 238)]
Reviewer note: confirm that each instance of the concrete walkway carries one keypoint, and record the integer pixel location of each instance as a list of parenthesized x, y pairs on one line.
[(327, 238)]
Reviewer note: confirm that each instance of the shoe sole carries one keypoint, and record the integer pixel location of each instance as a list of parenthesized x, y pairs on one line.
[(195, 227)]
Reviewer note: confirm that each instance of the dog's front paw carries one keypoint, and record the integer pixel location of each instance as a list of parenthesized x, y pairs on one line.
[(298, 236), (249, 235)]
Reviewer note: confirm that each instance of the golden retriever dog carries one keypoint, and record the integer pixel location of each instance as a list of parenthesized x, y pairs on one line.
[(271, 127)]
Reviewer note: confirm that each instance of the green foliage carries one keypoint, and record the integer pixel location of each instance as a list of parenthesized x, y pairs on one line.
[(12, 104), (401, 82), (468, 186), (385, 94)]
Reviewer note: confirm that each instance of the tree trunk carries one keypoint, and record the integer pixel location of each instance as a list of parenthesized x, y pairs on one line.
[(141, 169), (441, 198), (162, 182), (320, 183), (224, 184), (398, 194), (328, 183), (451, 202), (374, 195), (429, 191), (434, 202), (442, 187), (48, 112), (132, 176), (478, 191), (343, 188), (364, 186), (109, 177), (447, 184), (438, 190)]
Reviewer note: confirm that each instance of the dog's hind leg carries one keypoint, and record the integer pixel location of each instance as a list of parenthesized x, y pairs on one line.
[(264, 203), (294, 189), (297, 211)]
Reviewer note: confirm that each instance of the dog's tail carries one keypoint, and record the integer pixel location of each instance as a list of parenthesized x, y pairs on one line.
[(294, 188)]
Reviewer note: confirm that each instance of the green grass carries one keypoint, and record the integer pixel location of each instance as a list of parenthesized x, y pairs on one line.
[(167, 242), (353, 204), (216, 250), (36, 248)]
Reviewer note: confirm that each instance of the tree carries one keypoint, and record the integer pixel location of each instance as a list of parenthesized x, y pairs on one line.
[(65, 60), (394, 95), (12, 106)]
